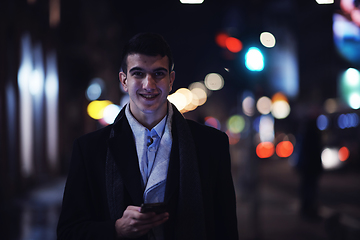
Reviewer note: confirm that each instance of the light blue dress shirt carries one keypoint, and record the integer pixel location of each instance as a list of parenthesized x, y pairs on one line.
[(153, 149)]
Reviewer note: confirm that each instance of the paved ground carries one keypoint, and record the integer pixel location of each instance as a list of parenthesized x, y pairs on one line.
[(277, 210), (270, 214)]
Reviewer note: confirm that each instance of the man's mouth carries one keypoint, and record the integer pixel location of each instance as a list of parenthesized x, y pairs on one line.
[(149, 96)]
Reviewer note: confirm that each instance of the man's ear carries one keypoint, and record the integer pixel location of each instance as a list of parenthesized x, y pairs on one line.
[(123, 80), (172, 79)]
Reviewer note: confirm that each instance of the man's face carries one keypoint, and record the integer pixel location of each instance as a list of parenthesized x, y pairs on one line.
[(148, 83)]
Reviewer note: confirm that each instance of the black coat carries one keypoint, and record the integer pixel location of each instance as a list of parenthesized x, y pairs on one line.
[(85, 210)]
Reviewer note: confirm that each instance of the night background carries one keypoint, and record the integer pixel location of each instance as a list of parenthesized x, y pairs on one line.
[(54, 53)]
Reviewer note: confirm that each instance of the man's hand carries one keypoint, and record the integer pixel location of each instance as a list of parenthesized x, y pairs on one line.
[(135, 224)]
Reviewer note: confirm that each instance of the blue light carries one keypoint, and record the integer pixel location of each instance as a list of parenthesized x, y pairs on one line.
[(354, 119), (254, 60), (343, 121), (256, 123), (322, 122), (95, 89), (350, 120)]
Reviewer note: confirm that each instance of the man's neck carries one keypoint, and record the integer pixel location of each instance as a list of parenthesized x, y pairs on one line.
[(148, 120)]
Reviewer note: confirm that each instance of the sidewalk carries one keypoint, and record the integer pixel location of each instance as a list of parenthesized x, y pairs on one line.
[(277, 212), (33, 216), (272, 214)]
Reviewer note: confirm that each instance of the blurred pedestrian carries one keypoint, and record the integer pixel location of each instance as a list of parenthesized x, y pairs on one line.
[(309, 165)]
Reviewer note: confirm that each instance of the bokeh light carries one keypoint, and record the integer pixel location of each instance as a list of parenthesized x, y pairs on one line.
[(322, 122), (280, 106), (110, 113), (330, 105), (344, 154), (201, 95), (350, 87), (193, 104), (279, 96), (325, 1), (236, 124), (267, 39), (178, 99), (186, 100), (187, 93), (214, 81), (330, 159), (220, 39), (354, 100), (96, 108), (254, 60), (233, 44), (284, 149), (280, 109), (95, 89), (212, 122), (263, 105), (256, 123), (248, 106), (352, 77), (36, 84), (265, 149), (200, 85), (191, 1), (266, 128), (348, 120)]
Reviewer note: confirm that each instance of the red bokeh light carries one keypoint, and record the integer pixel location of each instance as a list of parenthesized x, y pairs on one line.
[(284, 149), (265, 149), (212, 122), (344, 154), (220, 39), (233, 44)]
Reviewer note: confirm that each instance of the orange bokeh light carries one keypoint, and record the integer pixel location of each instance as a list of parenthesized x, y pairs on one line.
[(284, 149), (265, 149), (221, 39), (279, 97), (233, 44), (344, 153)]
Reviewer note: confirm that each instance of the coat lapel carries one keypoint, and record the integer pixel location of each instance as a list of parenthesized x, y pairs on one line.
[(122, 148), (172, 182)]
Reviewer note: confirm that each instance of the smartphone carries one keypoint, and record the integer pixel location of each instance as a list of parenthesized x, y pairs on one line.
[(153, 207)]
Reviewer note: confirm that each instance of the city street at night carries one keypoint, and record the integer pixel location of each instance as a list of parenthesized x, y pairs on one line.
[(279, 78)]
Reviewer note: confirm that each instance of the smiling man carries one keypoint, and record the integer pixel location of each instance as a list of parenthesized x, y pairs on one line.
[(152, 174), (148, 82)]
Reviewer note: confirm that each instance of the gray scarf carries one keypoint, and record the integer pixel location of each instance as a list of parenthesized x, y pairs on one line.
[(191, 221)]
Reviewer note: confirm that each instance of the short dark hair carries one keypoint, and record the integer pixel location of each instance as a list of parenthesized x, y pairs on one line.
[(150, 44)]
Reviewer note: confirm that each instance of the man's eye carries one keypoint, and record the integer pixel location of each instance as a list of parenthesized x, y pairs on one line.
[(138, 74), (159, 74)]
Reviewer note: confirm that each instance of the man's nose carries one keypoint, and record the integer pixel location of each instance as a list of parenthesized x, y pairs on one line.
[(149, 83)]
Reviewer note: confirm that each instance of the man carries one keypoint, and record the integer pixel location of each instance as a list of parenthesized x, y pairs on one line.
[(150, 154)]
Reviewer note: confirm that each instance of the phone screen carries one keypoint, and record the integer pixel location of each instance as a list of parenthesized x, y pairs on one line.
[(153, 207)]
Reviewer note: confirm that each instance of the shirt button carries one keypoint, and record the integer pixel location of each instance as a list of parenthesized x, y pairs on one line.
[(151, 149)]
